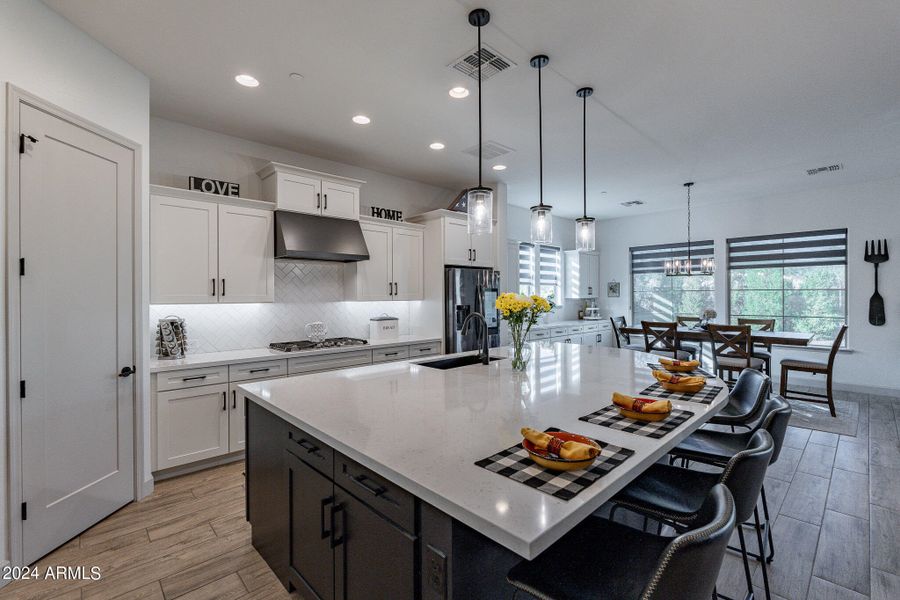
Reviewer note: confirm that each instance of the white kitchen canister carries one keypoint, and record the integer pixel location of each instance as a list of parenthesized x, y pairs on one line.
[(384, 328)]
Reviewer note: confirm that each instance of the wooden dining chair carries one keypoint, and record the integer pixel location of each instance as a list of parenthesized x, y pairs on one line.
[(691, 321), (686, 320), (623, 340), (732, 350), (816, 368), (661, 337), (761, 350)]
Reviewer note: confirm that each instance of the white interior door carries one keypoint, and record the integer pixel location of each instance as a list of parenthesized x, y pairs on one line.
[(246, 254), (340, 200), (76, 322), (408, 251), (183, 254), (374, 275), (457, 250)]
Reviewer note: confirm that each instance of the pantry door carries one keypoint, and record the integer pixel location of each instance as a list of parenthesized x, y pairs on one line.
[(76, 328)]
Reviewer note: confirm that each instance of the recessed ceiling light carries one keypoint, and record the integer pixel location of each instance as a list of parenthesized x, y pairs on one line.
[(499, 167), (458, 92), (246, 80), (436, 146), (362, 120)]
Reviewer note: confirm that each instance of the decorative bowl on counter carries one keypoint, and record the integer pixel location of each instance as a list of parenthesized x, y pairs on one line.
[(554, 463), (648, 417)]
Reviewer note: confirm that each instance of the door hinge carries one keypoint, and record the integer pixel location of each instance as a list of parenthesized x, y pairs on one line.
[(21, 267), (22, 138), (22, 389), (24, 511)]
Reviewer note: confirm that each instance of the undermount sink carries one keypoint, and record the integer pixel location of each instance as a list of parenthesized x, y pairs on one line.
[(455, 362)]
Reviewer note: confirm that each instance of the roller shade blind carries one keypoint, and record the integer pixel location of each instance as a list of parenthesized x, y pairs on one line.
[(526, 265), (652, 259), (801, 249), (549, 266)]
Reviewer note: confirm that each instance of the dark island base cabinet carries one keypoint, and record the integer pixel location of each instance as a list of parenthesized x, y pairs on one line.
[(332, 529)]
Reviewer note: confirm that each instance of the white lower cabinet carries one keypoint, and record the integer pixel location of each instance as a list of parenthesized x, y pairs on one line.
[(236, 436), (191, 425)]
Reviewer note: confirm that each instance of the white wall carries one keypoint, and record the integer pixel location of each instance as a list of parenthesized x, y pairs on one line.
[(868, 211), (47, 56)]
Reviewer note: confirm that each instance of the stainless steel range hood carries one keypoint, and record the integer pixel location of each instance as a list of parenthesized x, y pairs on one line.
[(311, 237)]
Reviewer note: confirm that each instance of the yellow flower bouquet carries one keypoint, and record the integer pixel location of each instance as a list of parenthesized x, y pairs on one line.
[(521, 312)]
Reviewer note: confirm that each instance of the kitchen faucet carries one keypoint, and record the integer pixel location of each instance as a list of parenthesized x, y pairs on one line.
[(483, 353)]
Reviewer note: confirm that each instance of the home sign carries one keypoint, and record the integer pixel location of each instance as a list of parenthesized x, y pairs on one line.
[(214, 186), (390, 214)]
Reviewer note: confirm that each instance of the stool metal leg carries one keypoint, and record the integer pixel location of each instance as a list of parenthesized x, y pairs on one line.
[(765, 504), (762, 552), (740, 531)]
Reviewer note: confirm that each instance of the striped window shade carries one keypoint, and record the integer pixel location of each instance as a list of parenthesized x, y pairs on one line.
[(549, 268), (652, 259), (526, 268), (802, 249)]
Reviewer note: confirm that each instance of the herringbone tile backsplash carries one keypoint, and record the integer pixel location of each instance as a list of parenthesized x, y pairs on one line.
[(304, 292)]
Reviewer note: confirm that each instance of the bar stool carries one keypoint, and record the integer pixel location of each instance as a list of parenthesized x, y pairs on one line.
[(617, 324), (816, 368), (745, 400), (602, 559), (674, 495), (763, 351)]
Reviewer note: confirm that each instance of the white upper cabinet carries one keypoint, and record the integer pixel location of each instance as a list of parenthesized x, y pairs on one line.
[(394, 270), (246, 255), (311, 192), (460, 248), (482, 250), (209, 249), (183, 251), (582, 274)]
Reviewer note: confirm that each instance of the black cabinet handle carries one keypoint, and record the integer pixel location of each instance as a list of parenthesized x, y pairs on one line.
[(390, 289), (126, 372), (470, 254), (195, 378), (318, 200), (223, 287), (326, 533), (474, 254), (391, 353), (337, 541), (396, 289), (326, 202), (265, 370), (224, 400), (374, 489), (214, 287), (233, 399)]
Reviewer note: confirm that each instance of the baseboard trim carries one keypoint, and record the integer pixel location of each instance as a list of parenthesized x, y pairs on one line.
[(198, 466)]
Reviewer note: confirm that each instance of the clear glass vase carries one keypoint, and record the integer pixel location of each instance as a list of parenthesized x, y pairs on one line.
[(521, 353)]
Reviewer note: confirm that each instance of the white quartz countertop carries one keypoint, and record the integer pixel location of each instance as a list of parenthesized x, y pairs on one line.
[(238, 356), (571, 323), (424, 428)]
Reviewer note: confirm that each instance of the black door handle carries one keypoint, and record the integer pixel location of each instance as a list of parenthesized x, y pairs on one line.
[(126, 371)]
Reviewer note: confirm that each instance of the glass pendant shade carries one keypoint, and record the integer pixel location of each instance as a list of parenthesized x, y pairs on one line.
[(585, 234), (541, 224), (480, 210)]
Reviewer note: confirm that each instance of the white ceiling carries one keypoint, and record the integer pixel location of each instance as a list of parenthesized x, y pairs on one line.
[(741, 97)]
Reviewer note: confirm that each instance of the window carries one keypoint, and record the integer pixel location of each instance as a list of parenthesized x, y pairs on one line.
[(540, 271), (798, 279), (657, 297)]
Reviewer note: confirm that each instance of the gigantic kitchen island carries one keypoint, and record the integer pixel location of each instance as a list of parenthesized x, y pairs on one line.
[(362, 483)]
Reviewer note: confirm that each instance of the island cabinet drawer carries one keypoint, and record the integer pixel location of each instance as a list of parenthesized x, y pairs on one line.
[(426, 349), (576, 329), (539, 334), (257, 370), (329, 362), (591, 328), (558, 331), (318, 455), (188, 378), (385, 497), (389, 354)]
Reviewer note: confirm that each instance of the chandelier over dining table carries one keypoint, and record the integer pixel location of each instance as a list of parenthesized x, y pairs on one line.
[(683, 267)]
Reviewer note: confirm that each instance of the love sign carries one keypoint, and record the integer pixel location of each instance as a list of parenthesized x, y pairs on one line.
[(214, 186)]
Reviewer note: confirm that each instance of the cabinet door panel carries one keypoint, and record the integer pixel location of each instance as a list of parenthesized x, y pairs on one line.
[(408, 251), (456, 243), (310, 500), (482, 250), (183, 251), (373, 276), (237, 439), (246, 255), (299, 193), (376, 558), (340, 200), (191, 424)]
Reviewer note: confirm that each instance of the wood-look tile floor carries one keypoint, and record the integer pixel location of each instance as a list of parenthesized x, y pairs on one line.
[(834, 499), (188, 540)]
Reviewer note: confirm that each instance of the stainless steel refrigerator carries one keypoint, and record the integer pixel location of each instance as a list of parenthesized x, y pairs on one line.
[(468, 290)]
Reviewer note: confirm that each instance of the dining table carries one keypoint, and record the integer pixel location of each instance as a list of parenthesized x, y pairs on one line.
[(697, 334)]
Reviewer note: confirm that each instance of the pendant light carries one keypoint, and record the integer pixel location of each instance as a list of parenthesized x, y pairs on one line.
[(683, 267), (585, 227), (480, 200), (541, 220)]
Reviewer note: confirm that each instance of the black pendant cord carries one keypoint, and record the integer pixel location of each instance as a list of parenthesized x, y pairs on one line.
[(688, 186), (540, 140), (479, 108), (584, 154)]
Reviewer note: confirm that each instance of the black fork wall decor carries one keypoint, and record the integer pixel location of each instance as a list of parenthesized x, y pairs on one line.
[(876, 255)]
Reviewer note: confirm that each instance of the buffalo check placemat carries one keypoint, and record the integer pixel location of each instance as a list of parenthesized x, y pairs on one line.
[(515, 463), (609, 416), (697, 371), (704, 396)]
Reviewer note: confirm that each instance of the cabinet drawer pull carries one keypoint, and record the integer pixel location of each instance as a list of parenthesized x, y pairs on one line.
[(265, 370), (335, 540), (425, 349), (391, 353), (224, 400), (326, 533), (195, 378), (310, 448), (233, 399)]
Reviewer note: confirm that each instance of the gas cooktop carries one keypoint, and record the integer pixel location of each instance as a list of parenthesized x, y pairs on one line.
[(335, 342)]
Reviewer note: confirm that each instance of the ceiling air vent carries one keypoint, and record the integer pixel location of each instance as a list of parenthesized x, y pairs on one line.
[(827, 169), (632, 203), (492, 63), (489, 150)]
